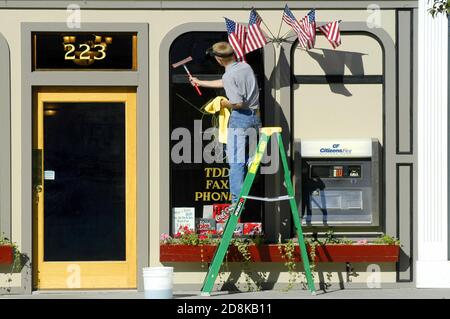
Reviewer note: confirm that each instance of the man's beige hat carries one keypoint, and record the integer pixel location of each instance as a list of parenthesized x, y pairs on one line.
[(221, 49)]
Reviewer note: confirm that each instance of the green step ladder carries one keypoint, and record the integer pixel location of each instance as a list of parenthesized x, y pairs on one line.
[(266, 134)]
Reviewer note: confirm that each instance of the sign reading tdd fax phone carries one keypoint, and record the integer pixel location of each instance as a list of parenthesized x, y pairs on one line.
[(337, 148)]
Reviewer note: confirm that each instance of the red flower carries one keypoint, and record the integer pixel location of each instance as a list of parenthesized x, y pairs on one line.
[(202, 237)]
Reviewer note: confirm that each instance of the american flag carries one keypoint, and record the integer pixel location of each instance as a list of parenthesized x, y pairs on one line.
[(332, 33), (308, 24), (236, 36), (303, 34), (255, 38)]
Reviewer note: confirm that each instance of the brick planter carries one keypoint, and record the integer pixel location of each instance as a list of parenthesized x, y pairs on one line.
[(6, 255), (271, 253)]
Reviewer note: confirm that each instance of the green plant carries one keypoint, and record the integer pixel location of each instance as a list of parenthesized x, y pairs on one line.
[(257, 239), (312, 254), (330, 238), (5, 241), (440, 6), (387, 240), (186, 236), (242, 245), (287, 251)]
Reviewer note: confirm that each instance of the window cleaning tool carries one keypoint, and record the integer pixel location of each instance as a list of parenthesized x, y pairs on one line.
[(183, 63), (266, 133)]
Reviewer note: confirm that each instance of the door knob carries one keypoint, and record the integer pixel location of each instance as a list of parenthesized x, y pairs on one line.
[(38, 188)]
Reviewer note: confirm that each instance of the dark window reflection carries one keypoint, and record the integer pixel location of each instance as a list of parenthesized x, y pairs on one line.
[(50, 52), (84, 163), (189, 180)]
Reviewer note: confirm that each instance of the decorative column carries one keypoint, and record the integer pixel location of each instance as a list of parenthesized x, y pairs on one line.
[(433, 266)]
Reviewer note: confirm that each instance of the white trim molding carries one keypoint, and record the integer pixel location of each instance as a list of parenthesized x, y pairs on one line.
[(433, 267), (433, 274)]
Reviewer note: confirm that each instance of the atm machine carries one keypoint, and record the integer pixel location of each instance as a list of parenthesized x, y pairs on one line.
[(338, 181)]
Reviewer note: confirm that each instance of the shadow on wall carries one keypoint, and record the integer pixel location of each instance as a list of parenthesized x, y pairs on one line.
[(333, 64), (20, 261), (237, 277), (280, 215)]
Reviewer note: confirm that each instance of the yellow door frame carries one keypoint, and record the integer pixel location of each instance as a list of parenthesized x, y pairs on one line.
[(83, 274)]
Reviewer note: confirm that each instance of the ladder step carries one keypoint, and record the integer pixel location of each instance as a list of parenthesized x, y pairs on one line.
[(269, 199)]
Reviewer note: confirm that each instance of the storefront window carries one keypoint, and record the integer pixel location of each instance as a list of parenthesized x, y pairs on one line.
[(199, 184)]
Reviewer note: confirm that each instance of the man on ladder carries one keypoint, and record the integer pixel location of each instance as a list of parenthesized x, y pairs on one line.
[(241, 88)]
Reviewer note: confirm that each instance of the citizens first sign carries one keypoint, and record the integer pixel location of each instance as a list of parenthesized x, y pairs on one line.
[(336, 148)]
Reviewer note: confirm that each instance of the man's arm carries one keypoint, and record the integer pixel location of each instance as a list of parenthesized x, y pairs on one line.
[(226, 103), (215, 84)]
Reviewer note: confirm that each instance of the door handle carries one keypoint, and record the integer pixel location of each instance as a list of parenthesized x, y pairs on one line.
[(38, 189)]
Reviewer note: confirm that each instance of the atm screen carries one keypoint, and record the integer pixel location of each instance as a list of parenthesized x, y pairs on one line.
[(337, 191), (337, 199), (335, 171)]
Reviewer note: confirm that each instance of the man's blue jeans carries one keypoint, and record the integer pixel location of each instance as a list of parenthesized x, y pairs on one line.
[(242, 139)]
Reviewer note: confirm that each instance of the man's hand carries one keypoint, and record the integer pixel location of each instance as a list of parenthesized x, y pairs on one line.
[(227, 104), (195, 81), (216, 84)]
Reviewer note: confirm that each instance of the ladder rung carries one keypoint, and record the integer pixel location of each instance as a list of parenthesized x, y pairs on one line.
[(269, 199)]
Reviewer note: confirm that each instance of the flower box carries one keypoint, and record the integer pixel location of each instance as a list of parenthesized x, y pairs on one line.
[(271, 253), (358, 253), (6, 255)]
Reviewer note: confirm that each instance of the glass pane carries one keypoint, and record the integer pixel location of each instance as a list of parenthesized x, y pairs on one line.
[(84, 180), (336, 193), (198, 183)]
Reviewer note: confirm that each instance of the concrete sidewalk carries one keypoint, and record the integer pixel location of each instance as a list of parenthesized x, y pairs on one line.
[(349, 293)]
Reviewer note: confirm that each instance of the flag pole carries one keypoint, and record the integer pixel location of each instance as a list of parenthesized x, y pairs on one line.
[(279, 29), (267, 28), (264, 23), (285, 34)]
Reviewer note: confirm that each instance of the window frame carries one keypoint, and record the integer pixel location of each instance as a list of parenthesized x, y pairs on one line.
[(387, 221), (269, 65), (5, 139)]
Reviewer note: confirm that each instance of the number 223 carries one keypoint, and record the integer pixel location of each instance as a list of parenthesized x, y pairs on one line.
[(70, 48)]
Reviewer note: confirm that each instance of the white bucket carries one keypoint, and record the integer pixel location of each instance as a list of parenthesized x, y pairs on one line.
[(158, 282)]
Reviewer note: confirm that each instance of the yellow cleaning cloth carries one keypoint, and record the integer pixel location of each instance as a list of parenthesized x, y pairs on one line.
[(213, 107)]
